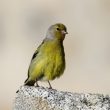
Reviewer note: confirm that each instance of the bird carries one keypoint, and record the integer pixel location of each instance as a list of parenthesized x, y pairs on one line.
[(48, 61)]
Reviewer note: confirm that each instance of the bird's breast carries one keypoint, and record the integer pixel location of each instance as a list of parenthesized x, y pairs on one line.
[(55, 60)]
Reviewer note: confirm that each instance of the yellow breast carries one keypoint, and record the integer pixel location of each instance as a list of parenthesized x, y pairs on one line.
[(55, 60), (49, 63)]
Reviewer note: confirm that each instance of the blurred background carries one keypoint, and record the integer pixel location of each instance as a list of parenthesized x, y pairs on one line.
[(23, 26)]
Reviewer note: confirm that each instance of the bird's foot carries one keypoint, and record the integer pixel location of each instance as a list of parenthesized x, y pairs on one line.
[(50, 88), (37, 85)]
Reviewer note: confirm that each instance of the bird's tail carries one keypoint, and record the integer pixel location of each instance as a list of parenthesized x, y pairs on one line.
[(29, 82)]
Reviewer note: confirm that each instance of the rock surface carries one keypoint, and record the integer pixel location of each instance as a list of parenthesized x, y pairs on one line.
[(40, 98)]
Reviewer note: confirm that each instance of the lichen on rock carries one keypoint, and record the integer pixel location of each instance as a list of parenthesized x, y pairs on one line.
[(40, 98)]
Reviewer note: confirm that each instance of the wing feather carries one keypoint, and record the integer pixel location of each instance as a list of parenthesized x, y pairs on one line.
[(34, 56)]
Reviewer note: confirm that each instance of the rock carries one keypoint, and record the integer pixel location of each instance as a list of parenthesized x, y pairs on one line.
[(40, 98)]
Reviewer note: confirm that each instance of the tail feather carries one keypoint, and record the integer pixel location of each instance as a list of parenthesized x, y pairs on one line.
[(26, 80), (29, 82)]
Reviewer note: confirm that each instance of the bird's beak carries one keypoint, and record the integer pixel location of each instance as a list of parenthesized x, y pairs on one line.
[(64, 32)]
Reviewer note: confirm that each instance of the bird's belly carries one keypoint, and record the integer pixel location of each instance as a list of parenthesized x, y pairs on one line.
[(54, 68), (48, 67)]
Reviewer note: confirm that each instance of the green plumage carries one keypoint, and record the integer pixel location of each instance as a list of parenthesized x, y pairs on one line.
[(48, 61)]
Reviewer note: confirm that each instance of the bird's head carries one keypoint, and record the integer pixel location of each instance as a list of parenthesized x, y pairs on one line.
[(57, 31)]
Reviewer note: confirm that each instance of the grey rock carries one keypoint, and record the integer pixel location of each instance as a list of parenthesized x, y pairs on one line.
[(40, 98)]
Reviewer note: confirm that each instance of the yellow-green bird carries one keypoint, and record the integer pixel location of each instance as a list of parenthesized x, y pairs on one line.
[(48, 61)]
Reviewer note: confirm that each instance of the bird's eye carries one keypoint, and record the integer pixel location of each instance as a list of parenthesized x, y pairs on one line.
[(58, 29)]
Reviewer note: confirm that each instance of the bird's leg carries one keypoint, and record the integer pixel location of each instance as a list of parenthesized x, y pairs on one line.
[(37, 84), (50, 87)]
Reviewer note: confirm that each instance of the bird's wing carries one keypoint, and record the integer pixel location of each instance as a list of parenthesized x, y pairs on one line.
[(37, 51), (34, 56)]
